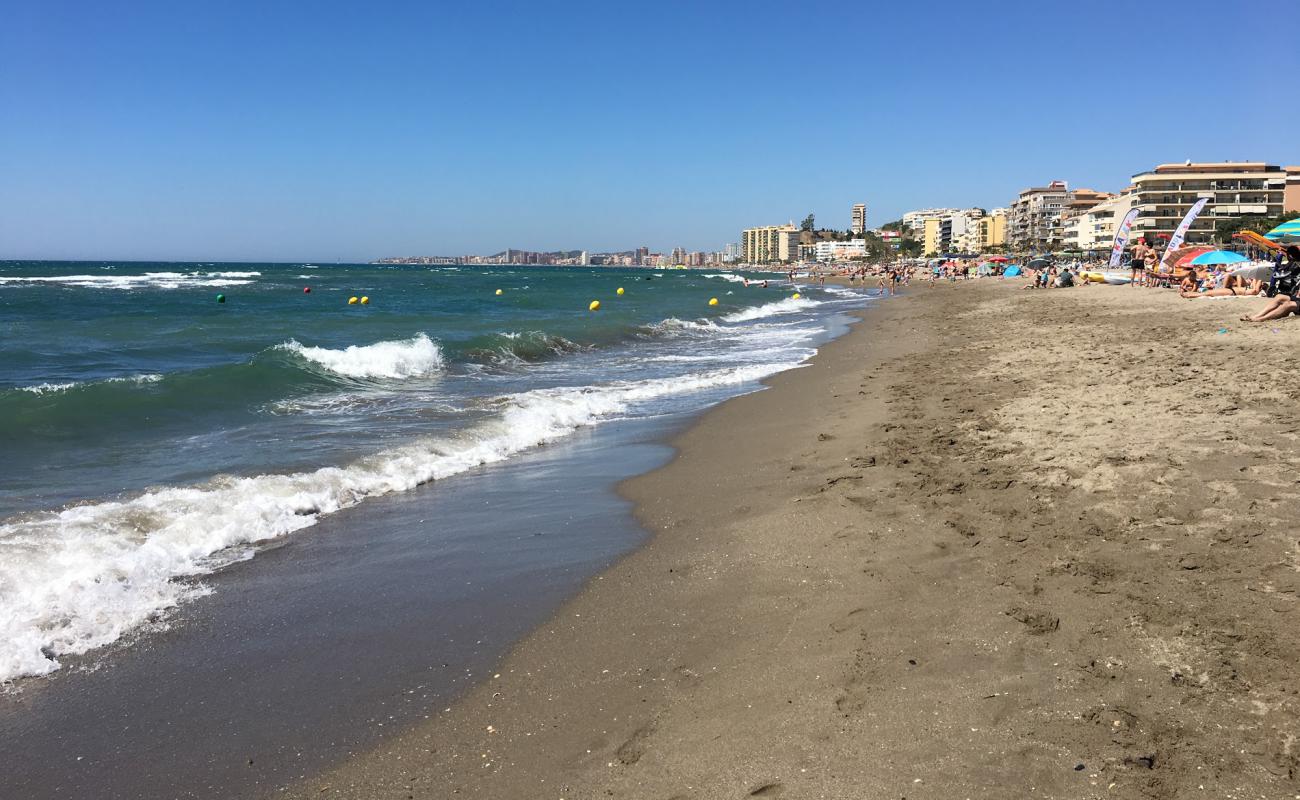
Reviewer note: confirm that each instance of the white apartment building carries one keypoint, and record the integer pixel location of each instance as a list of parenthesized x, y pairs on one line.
[(914, 221), (840, 251)]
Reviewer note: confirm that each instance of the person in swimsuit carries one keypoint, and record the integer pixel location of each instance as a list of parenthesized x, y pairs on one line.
[(1286, 283), (1137, 264), (1149, 263), (1233, 286)]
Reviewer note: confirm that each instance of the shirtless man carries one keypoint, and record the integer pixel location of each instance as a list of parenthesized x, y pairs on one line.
[(1137, 264)]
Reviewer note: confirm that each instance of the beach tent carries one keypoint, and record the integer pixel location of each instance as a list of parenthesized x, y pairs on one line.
[(1012, 271), (1218, 257), (1287, 232)]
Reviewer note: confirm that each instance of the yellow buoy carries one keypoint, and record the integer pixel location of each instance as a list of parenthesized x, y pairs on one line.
[(620, 290), (595, 305), (713, 301), (796, 296), (352, 301), (365, 301), (498, 291)]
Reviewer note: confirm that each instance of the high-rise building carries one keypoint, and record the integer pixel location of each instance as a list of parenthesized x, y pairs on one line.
[(1164, 195), (641, 254), (679, 255), (769, 244), (859, 221), (1034, 219)]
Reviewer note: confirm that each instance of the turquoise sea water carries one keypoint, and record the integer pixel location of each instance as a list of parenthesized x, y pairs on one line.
[(152, 435)]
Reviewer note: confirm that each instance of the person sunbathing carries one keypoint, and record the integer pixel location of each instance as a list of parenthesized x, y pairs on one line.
[(1233, 286), (1284, 287)]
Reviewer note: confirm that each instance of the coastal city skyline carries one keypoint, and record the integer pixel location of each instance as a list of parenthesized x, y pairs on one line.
[(260, 144)]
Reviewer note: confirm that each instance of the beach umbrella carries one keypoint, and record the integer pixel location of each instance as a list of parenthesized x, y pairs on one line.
[(1287, 232), (1218, 257), (999, 259), (1182, 257), (1039, 263)]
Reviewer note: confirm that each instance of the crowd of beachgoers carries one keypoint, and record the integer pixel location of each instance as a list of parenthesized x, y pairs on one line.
[(1272, 274)]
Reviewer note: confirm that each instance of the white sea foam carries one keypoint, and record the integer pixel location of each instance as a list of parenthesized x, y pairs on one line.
[(155, 280), (53, 388), (85, 576), (787, 306), (49, 388), (673, 325), (726, 276), (406, 358)]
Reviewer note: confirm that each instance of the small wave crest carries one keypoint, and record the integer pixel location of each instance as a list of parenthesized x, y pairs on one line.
[(787, 306), (521, 347), (406, 358), (672, 326), (726, 276), (55, 388)]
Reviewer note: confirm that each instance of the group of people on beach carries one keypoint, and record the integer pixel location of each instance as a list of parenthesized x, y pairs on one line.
[(1282, 285), (1145, 268)]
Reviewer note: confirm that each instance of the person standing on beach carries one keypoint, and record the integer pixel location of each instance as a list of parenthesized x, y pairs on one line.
[(1149, 263), (1137, 263)]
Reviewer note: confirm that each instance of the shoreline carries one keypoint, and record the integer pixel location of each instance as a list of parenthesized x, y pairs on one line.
[(938, 561)]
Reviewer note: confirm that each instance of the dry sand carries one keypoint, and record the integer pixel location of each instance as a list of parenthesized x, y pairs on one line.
[(991, 544)]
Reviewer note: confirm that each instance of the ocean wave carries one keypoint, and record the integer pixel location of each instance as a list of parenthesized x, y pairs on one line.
[(726, 276), (84, 577), (155, 280), (673, 326), (787, 306), (406, 358), (54, 388), (520, 347)]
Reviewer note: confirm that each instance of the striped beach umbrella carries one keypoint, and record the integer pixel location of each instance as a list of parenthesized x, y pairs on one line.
[(1287, 232)]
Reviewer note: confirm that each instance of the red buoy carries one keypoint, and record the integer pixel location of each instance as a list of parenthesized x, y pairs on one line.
[(306, 290)]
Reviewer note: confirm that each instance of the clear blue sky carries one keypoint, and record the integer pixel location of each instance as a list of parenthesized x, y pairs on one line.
[(346, 130)]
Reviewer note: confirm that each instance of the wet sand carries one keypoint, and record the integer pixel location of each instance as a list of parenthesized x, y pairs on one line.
[(992, 543)]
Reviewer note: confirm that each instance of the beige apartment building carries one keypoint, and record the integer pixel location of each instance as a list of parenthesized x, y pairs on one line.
[(1080, 203), (1094, 228), (769, 244), (1034, 219), (1164, 195)]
